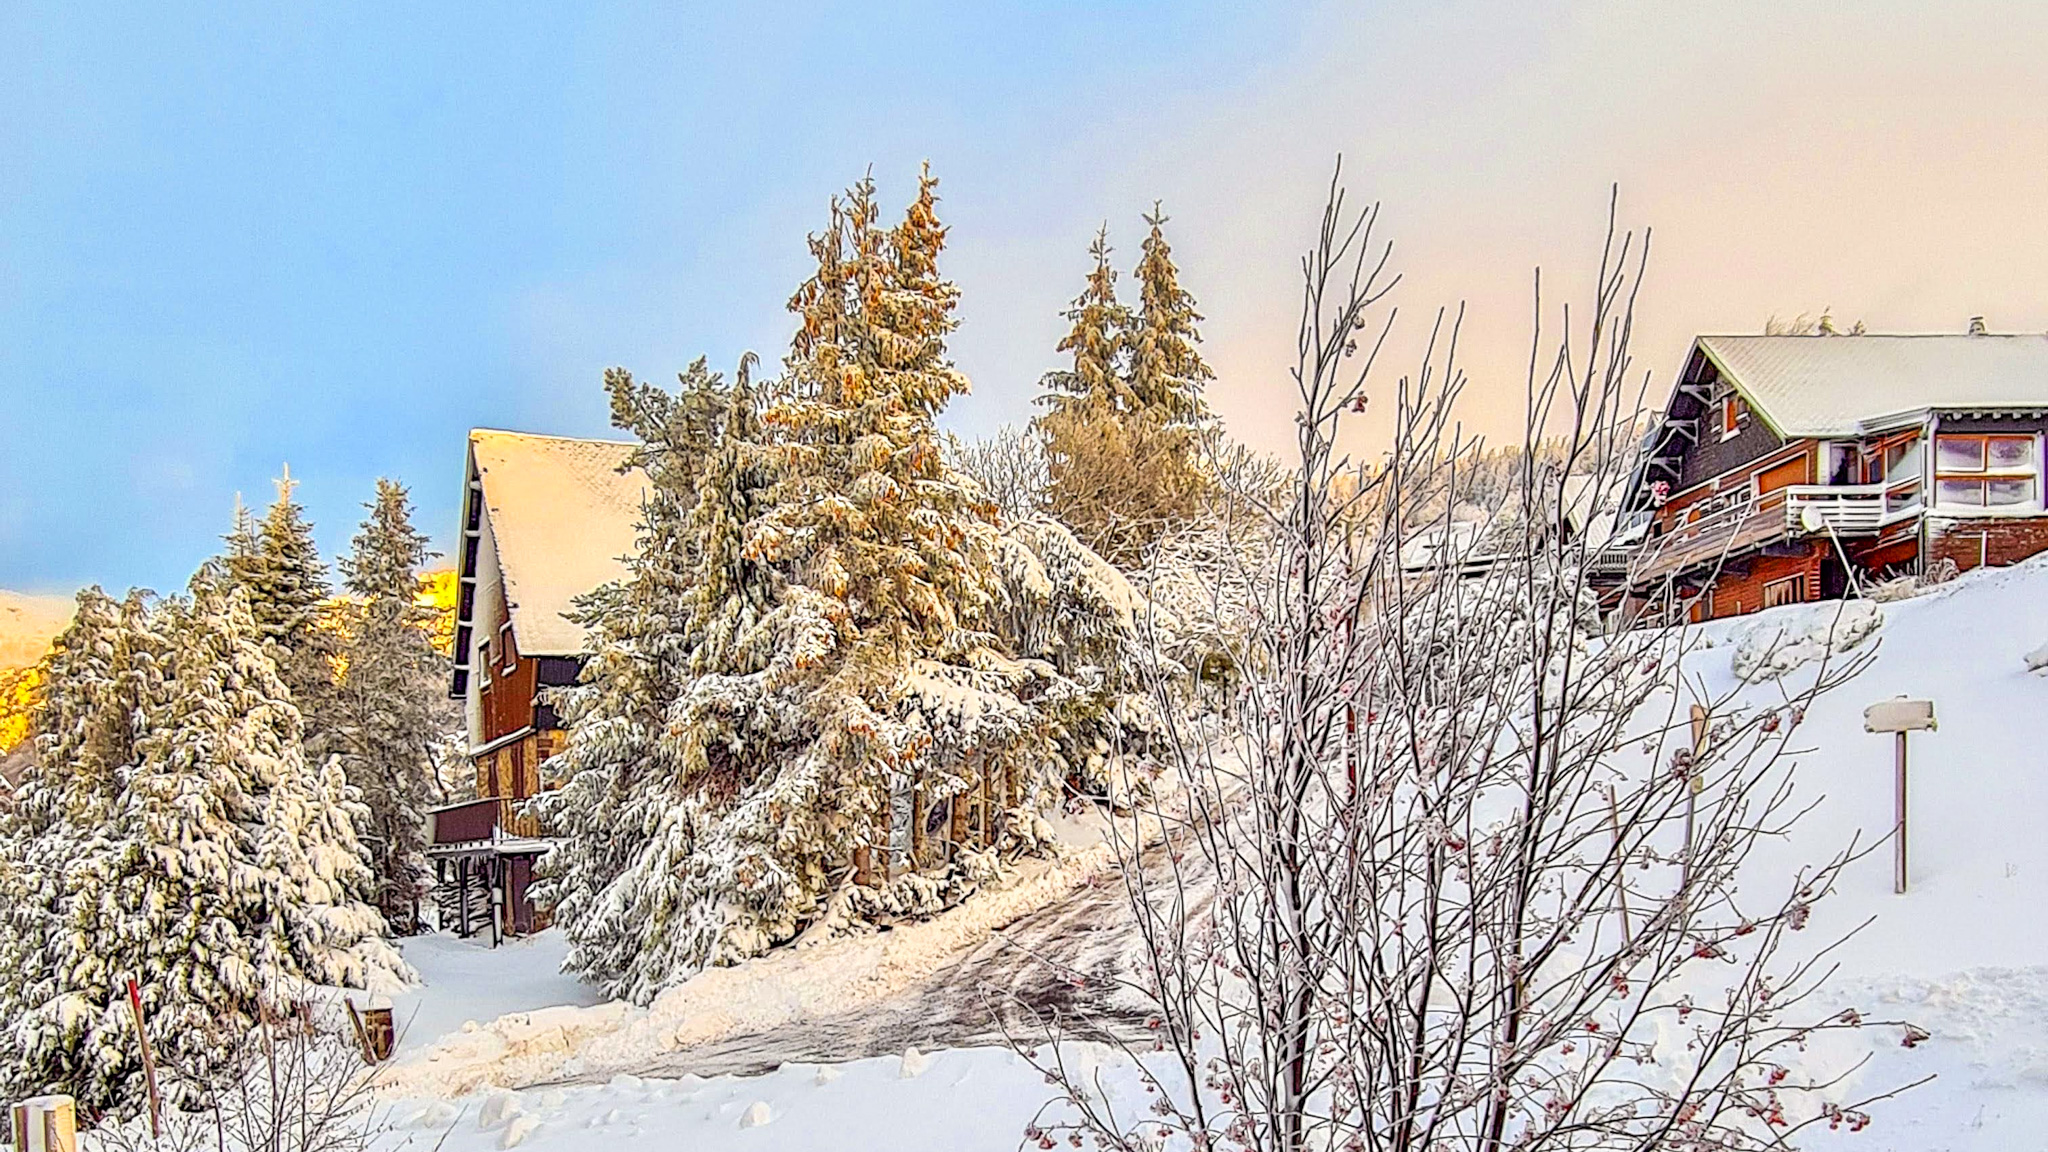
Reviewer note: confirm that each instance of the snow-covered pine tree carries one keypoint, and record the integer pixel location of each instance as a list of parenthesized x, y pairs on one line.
[(388, 709), (625, 820), (1099, 339), (890, 544), (806, 702), (85, 726), (288, 591), (1121, 426), (1167, 372), (226, 879)]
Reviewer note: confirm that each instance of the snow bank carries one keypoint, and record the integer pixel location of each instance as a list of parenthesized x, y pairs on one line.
[(967, 1100), (832, 975)]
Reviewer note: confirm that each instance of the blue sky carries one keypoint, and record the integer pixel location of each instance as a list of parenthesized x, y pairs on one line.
[(340, 238)]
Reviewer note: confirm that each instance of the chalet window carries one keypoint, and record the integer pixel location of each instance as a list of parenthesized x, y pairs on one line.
[(1786, 591), (1986, 472), (483, 659), (1731, 415), (505, 645), (1897, 464)]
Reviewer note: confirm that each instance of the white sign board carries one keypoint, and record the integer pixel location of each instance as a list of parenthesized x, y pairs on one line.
[(1899, 715)]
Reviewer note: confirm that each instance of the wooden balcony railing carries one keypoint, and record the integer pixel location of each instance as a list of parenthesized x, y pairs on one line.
[(1743, 525), (1849, 509), (487, 819)]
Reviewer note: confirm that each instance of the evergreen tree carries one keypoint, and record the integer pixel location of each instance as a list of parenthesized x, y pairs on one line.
[(1123, 424), (1096, 386), (624, 822), (890, 544), (388, 706), (1167, 373), (806, 702), (288, 590), (227, 877), (86, 724)]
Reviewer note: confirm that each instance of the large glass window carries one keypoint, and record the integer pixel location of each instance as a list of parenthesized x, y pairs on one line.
[(1987, 472)]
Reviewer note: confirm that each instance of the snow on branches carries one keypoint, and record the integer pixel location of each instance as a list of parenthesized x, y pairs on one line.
[(832, 689), (1427, 892), (173, 834)]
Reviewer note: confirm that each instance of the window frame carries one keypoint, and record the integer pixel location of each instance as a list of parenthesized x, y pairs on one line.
[(1795, 584), (1731, 416), (511, 652), (1986, 473)]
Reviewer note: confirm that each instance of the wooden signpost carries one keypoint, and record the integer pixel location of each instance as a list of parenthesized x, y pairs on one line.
[(1899, 716)]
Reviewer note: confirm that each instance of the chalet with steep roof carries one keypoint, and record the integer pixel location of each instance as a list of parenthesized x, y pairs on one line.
[(544, 520), (1792, 468)]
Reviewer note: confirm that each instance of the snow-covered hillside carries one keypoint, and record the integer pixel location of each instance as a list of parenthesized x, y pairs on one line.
[(1963, 954), (27, 625)]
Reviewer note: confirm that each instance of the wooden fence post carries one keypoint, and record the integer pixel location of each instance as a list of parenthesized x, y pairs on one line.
[(148, 1061)]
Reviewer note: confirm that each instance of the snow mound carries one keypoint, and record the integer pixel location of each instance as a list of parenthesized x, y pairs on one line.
[(2037, 659), (758, 1113), (1777, 641)]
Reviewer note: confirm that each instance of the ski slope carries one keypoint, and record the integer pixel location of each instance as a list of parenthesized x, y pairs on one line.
[(1964, 954)]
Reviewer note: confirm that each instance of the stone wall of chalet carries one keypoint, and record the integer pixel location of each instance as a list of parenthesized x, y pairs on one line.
[(1985, 540)]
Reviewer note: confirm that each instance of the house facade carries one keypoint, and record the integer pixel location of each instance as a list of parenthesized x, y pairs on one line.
[(1785, 469), (544, 520)]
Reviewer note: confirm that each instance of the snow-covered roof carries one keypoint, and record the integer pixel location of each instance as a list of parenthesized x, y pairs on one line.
[(1847, 385), (563, 518)]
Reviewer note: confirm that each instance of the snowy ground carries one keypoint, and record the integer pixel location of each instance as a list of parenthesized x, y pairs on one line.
[(468, 981), (1964, 954)]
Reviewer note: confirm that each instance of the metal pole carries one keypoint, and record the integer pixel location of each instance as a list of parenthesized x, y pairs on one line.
[(1899, 795)]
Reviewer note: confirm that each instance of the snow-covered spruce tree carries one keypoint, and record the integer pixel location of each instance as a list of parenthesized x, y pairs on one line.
[(227, 877), (886, 549), (85, 726), (1463, 874), (1167, 371), (1123, 425), (807, 703), (280, 568), (388, 708), (626, 820)]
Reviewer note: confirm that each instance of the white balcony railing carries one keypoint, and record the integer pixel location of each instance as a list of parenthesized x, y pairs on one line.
[(1849, 509)]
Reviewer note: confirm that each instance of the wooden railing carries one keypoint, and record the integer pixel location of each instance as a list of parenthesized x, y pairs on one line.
[(464, 823), (483, 819), (1752, 521), (1850, 509)]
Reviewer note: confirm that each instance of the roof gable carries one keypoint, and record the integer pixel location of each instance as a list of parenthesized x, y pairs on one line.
[(563, 518)]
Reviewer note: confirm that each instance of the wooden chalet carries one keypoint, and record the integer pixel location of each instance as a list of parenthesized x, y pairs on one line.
[(544, 519), (1794, 468)]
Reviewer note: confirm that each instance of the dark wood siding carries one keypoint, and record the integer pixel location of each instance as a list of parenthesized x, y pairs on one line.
[(1712, 455)]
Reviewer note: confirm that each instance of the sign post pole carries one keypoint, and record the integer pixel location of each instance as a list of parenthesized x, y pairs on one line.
[(1899, 716), (1899, 829)]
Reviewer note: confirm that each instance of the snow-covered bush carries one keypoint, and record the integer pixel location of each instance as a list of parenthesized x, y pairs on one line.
[(1429, 892), (1783, 639)]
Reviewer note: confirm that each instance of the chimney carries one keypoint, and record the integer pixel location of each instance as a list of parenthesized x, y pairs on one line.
[(1976, 326)]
